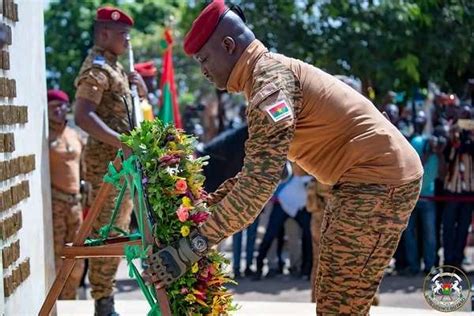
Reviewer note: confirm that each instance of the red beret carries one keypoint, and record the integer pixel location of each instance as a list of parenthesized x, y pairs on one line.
[(203, 27), (111, 14), (57, 95), (146, 69)]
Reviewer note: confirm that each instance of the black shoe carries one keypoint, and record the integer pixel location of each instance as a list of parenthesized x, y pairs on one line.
[(105, 307), (249, 273), (294, 272), (273, 273), (257, 275), (305, 277), (237, 275), (407, 272)]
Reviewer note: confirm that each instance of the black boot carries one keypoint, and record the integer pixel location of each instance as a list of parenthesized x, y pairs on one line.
[(105, 307)]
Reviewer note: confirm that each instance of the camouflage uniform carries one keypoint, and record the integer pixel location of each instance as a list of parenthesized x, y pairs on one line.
[(336, 135), (65, 154), (67, 218), (103, 81), (360, 232), (317, 199), (240, 199)]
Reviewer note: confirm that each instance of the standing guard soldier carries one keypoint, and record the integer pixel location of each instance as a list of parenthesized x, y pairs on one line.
[(100, 109), (65, 148)]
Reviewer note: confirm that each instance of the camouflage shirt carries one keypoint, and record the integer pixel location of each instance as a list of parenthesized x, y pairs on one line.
[(299, 112), (103, 81), (274, 96)]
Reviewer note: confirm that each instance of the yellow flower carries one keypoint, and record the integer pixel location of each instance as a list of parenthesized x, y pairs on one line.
[(190, 298), (195, 268), (187, 202), (201, 302), (185, 231), (172, 145)]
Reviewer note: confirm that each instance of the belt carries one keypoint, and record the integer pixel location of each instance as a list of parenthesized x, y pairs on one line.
[(70, 198)]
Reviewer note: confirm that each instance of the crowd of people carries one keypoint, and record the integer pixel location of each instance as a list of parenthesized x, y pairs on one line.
[(440, 130)]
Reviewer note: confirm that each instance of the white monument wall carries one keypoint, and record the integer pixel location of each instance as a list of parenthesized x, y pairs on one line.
[(27, 68)]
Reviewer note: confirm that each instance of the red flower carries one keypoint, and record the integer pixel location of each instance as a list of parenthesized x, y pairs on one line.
[(168, 160), (183, 213), (181, 186), (199, 217), (205, 276)]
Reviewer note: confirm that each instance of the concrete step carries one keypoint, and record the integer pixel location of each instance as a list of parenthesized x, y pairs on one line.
[(141, 308)]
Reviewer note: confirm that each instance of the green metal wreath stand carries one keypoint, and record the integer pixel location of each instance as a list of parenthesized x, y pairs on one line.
[(123, 174)]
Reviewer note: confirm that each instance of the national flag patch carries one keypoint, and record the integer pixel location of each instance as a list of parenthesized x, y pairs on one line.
[(99, 60), (279, 110)]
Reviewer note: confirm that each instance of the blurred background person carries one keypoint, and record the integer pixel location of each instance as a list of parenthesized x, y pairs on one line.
[(458, 183), (65, 149), (430, 148), (291, 198), (148, 72), (226, 152)]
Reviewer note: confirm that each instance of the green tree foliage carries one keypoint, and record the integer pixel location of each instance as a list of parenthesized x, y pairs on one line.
[(69, 33), (389, 44), (68, 25), (399, 44)]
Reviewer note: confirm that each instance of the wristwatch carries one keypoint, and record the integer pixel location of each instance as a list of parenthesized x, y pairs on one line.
[(198, 243)]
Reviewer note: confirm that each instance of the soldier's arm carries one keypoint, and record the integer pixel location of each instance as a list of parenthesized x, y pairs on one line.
[(89, 121), (216, 196), (265, 156), (90, 88)]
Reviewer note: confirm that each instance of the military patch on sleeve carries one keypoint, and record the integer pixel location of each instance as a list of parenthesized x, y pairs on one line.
[(278, 110), (99, 61)]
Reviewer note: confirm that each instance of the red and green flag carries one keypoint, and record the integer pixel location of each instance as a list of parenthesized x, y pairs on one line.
[(169, 111), (279, 111)]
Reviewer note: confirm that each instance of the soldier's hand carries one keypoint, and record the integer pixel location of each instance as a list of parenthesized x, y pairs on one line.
[(136, 79), (169, 264)]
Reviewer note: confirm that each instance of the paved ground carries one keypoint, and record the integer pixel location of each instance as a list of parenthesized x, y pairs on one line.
[(140, 308), (395, 291)]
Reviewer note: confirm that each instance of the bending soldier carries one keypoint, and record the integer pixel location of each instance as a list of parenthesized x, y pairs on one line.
[(335, 134)]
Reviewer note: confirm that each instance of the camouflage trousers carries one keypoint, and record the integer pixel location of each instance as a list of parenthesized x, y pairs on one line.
[(360, 232), (316, 221), (67, 218), (102, 271)]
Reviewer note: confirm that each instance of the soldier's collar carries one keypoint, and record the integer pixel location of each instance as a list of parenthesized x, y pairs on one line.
[(109, 56), (242, 72)]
